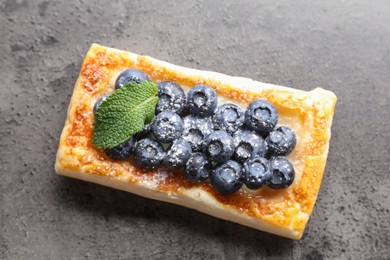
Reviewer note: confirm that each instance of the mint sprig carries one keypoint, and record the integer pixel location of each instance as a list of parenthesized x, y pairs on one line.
[(124, 113)]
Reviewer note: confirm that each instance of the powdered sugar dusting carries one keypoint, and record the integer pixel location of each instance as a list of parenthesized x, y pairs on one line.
[(156, 179)]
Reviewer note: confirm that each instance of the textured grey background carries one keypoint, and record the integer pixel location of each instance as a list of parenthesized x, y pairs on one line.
[(339, 45)]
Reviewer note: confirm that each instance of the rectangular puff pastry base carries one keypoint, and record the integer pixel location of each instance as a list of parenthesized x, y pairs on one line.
[(282, 212)]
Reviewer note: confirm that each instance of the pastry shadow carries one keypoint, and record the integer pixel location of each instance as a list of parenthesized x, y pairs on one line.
[(109, 203)]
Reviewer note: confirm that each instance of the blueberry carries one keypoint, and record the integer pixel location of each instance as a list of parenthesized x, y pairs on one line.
[(261, 116), (227, 178), (148, 153), (228, 117), (167, 126), (218, 146), (257, 172), (99, 102), (248, 144), (283, 173), (195, 130), (197, 168), (171, 97), (202, 100), (130, 76), (178, 154), (281, 141), (121, 151), (145, 132)]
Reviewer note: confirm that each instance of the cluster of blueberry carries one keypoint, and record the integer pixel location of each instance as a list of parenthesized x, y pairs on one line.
[(230, 146)]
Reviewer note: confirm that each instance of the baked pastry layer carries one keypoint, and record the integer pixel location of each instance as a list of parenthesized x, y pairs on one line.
[(282, 212)]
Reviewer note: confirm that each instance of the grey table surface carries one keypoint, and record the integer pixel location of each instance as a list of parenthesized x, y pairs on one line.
[(341, 45)]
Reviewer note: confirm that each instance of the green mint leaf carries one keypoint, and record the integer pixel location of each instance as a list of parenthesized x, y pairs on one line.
[(124, 113)]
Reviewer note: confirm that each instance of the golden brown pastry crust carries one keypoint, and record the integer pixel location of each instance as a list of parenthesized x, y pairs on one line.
[(283, 212)]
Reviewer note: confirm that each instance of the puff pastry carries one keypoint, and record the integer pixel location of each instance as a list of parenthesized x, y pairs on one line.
[(282, 212)]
